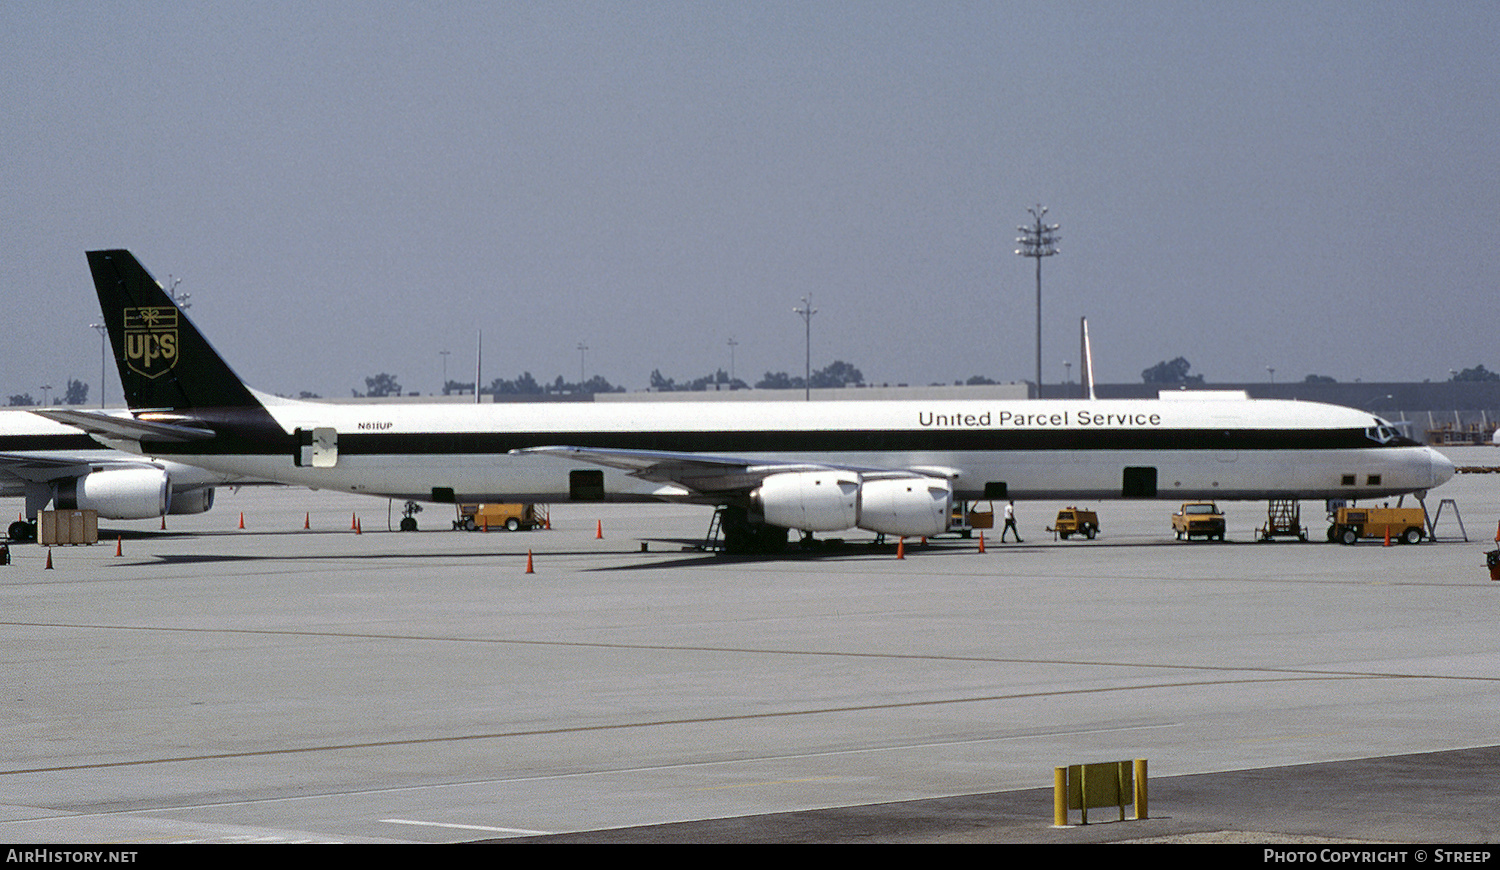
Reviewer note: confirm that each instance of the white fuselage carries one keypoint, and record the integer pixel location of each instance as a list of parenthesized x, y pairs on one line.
[(1065, 449)]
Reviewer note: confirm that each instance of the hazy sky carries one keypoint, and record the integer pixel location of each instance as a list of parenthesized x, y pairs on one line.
[(350, 188)]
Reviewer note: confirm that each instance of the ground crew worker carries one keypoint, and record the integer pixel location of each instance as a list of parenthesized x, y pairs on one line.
[(1010, 522)]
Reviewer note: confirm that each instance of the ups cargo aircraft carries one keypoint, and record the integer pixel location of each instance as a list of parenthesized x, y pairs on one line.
[(45, 463), (889, 467)]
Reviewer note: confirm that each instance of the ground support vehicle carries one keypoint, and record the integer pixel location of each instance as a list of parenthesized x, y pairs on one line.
[(1201, 519), (1283, 520), (1407, 525), (1075, 521), (511, 517), (967, 517)]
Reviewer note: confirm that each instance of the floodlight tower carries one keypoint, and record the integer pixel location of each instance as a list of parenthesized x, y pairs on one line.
[(100, 328), (806, 312), (1038, 240)]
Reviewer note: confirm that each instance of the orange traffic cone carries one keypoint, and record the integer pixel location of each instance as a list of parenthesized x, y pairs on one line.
[(242, 519), (529, 568), (981, 542), (118, 542), (307, 520), (49, 558), (353, 523), (599, 532), (357, 529), (901, 549), (1387, 535), (164, 522)]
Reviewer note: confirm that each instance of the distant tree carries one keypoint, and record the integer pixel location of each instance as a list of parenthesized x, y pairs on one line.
[(307, 395), (525, 385), (382, 385), (1319, 379), (77, 393), (719, 380), (1174, 372), (978, 381), (22, 399), (457, 388), (1478, 373), (779, 381), (661, 383), (837, 374), (597, 384)]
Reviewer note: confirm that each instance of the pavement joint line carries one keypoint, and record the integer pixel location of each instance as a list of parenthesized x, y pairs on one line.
[(702, 720), (1309, 672)]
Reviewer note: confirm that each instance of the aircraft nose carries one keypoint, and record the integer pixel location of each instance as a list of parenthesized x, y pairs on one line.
[(1442, 467)]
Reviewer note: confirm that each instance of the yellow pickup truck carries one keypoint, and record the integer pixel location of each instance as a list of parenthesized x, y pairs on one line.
[(1201, 519)]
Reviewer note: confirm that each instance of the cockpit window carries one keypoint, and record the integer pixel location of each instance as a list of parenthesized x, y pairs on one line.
[(1385, 434)]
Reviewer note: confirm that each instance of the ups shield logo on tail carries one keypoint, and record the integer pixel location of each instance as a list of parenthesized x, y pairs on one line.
[(151, 340)]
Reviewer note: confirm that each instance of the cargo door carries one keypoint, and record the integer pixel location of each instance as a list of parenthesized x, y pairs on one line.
[(317, 448)]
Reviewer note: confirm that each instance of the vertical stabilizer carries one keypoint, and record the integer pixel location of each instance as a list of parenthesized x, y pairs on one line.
[(1086, 353), (164, 362)]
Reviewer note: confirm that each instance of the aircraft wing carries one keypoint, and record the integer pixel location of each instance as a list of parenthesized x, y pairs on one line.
[(41, 468), (119, 427), (700, 474)]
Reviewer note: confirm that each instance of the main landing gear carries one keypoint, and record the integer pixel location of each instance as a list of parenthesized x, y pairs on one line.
[(743, 537)]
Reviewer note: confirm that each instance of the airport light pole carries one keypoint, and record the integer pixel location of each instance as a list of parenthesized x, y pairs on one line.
[(444, 354), (583, 351), (1038, 240), (100, 328), (180, 300), (806, 312), (732, 345)]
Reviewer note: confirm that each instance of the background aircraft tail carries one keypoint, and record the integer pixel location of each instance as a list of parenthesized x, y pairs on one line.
[(164, 362), (1086, 355)]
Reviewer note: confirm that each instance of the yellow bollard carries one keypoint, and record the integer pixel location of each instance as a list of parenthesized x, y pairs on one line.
[(1140, 788), (1059, 797)]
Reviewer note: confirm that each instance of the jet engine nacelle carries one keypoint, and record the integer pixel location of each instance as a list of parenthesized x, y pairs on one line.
[(116, 493), (194, 501), (831, 501), (906, 506), (813, 501)]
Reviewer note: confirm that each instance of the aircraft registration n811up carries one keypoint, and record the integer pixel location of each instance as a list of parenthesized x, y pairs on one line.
[(889, 467)]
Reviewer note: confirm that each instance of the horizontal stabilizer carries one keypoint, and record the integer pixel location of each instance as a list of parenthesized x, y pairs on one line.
[(125, 428)]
